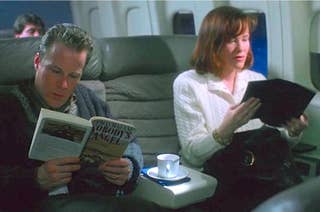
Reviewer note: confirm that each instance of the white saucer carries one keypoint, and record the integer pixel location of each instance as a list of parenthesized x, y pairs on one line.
[(153, 172)]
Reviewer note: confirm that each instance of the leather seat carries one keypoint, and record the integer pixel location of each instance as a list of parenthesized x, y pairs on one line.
[(133, 74), (303, 197)]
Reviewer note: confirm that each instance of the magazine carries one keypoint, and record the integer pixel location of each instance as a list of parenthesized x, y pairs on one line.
[(60, 135), (281, 100)]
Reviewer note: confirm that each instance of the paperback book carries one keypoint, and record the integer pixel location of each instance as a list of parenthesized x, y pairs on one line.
[(60, 135)]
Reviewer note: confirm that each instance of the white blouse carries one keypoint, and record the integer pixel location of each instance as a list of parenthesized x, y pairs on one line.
[(200, 104)]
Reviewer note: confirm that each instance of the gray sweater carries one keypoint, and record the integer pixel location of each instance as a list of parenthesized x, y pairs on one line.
[(19, 111)]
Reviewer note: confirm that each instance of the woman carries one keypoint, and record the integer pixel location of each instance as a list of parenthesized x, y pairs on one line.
[(207, 98)]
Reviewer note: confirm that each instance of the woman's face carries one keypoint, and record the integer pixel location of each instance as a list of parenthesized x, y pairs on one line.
[(234, 52)]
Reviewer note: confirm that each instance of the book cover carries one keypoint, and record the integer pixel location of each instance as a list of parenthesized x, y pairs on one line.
[(109, 139), (60, 135), (281, 100)]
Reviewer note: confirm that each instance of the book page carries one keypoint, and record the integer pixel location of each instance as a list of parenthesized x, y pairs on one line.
[(108, 140), (58, 135)]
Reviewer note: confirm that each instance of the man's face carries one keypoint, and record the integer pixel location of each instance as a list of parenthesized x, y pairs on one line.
[(58, 72), (30, 30)]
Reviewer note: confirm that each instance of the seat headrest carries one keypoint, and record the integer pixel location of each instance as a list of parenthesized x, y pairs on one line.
[(145, 55), (16, 60)]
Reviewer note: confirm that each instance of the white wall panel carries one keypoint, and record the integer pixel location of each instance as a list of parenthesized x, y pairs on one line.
[(124, 18), (288, 25), (86, 15), (162, 12)]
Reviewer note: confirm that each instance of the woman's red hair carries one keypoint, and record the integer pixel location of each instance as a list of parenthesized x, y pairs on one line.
[(218, 27)]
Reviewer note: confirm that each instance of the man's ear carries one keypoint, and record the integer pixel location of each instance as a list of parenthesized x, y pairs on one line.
[(36, 61)]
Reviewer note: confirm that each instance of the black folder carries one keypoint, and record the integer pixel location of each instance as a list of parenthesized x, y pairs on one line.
[(281, 100)]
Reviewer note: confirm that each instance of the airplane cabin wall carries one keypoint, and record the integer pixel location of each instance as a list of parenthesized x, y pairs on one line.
[(296, 23), (271, 9), (162, 12), (287, 24), (129, 18), (86, 15), (125, 18), (288, 32)]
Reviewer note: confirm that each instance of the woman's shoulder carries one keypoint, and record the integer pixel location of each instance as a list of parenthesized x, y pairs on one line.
[(189, 76), (252, 75)]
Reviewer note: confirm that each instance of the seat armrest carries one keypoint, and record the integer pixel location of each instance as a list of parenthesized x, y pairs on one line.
[(199, 188)]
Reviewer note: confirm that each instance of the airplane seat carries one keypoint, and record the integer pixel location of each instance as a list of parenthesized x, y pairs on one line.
[(6, 33), (303, 197), (183, 23), (16, 60), (138, 78), (315, 50), (133, 74)]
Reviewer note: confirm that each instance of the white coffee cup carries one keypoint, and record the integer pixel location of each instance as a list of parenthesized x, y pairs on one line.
[(168, 165)]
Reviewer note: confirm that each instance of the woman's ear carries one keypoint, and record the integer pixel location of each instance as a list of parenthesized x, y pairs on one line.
[(36, 61)]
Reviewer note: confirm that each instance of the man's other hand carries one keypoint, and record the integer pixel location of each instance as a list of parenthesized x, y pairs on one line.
[(57, 172), (116, 171)]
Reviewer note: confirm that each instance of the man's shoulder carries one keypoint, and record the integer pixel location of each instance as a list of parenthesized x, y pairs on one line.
[(7, 89), (96, 86), (9, 101), (7, 93), (86, 98), (85, 92)]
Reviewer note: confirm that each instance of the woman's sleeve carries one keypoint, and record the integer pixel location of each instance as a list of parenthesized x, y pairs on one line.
[(292, 141), (197, 143)]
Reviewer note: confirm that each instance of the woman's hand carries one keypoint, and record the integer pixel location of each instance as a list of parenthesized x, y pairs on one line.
[(116, 171), (57, 172), (237, 116), (296, 125)]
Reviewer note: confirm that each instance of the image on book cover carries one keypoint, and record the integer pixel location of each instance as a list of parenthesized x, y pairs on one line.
[(65, 131), (108, 140)]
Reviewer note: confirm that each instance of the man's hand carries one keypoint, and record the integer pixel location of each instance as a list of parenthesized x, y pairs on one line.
[(57, 172), (116, 171)]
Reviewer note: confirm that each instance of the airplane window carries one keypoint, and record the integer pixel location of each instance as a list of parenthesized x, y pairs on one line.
[(259, 46), (183, 23), (137, 23)]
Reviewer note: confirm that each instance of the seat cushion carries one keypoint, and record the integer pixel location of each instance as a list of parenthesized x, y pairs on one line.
[(146, 102)]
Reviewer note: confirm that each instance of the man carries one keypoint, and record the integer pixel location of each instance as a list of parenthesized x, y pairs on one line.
[(28, 25), (24, 183)]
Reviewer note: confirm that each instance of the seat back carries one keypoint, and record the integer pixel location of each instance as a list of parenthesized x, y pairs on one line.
[(136, 74), (16, 60), (138, 78), (303, 197)]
